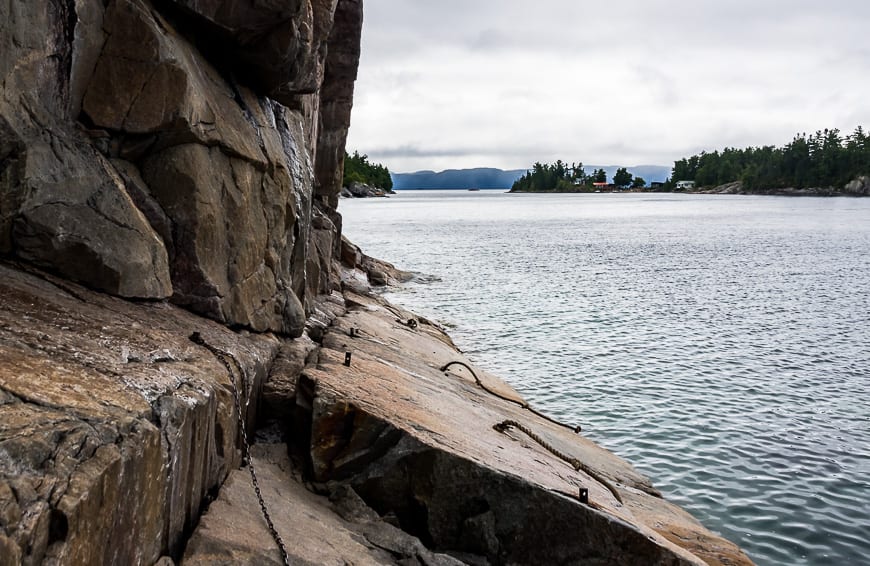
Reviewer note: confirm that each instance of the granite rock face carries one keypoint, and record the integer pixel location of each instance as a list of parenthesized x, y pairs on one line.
[(416, 473), (118, 426), (62, 204), (419, 445), (337, 99), (277, 47), (114, 425), (143, 150)]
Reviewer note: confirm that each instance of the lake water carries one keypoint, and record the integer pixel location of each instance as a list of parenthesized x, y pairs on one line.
[(719, 343)]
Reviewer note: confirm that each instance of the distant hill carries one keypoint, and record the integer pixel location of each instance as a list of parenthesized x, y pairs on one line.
[(480, 178), (490, 178)]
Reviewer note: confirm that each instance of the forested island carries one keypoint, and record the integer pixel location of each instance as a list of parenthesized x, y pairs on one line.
[(362, 178), (560, 177), (826, 162)]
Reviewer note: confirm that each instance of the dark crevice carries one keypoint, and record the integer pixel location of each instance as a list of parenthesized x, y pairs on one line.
[(69, 29), (58, 526)]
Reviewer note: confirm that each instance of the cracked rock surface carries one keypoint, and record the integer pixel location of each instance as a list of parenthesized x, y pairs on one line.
[(419, 444), (114, 426), (167, 149), (409, 451), (317, 530)]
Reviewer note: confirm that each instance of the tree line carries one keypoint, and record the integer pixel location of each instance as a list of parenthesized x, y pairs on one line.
[(358, 168), (825, 159), (559, 177)]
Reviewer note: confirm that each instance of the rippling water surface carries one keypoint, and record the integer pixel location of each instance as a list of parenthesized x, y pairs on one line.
[(719, 343)]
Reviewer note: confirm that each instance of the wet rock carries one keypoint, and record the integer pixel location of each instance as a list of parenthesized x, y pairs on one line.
[(378, 272)]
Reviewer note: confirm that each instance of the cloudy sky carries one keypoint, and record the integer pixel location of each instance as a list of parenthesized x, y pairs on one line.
[(503, 83)]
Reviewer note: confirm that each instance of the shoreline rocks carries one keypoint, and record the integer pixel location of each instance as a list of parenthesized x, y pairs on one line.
[(118, 430), (171, 275), (361, 190), (858, 188)]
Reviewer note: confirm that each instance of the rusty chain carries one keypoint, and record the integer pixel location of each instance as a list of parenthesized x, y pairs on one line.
[(224, 358)]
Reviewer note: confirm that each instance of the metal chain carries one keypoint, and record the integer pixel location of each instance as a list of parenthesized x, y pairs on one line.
[(522, 404), (223, 357), (574, 462)]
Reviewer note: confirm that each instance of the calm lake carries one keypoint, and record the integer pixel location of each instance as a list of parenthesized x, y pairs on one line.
[(719, 343)]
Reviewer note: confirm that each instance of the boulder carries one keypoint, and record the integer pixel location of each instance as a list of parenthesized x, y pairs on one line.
[(859, 187), (362, 190), (378, 272)]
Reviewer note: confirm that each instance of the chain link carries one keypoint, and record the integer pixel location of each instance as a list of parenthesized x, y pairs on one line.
[(224, 358), (574, 462)]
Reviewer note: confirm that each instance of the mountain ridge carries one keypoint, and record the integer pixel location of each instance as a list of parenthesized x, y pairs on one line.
[(494, 178)]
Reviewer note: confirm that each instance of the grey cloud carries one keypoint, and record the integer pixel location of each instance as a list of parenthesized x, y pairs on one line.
[(505, 82)]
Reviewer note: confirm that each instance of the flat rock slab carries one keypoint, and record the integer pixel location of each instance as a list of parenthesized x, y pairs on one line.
[(420, 443)]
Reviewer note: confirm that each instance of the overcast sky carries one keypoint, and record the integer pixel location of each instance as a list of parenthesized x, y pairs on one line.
[(503, 83)]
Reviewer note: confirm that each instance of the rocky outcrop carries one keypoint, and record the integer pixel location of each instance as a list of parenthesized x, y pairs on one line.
[(367, 271), (118, 426), (144, 150), (361, 190), (860, 187), (187, 154), (114, 426), (416, 473), (419, 444)]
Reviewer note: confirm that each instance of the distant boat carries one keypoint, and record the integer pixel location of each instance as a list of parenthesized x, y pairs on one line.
[(474, 189)]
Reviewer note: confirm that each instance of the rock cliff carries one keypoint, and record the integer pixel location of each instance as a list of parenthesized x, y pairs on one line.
[(168, 149), (173, 283)]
